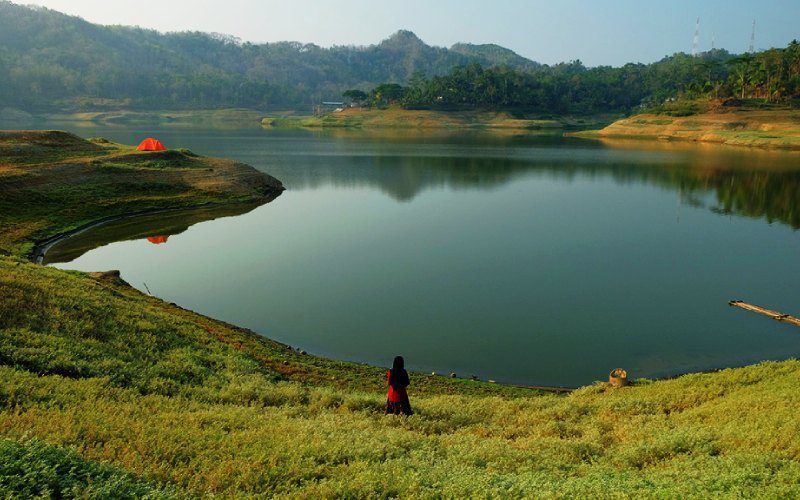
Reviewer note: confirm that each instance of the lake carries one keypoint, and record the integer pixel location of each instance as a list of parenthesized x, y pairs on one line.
[(523, 259)]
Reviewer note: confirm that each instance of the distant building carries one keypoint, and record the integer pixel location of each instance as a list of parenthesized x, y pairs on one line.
[(328, 107)]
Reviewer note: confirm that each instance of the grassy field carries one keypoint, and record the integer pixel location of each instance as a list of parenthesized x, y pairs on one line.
[(143, 394), (767, 128), (396, 117), (109, 392)]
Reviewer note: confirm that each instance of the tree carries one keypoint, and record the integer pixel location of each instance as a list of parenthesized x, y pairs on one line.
[(355, 95), (742, 73), (386, 93)]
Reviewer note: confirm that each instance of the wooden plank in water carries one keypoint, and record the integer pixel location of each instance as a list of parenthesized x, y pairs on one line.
[(784, 318)]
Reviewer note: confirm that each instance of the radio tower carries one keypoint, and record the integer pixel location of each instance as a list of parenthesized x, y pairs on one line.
[(753, 38), (696, 41), (713, 41)]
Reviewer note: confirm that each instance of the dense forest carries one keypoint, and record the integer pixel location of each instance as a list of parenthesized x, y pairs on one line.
[(771, 76), (51, 61)]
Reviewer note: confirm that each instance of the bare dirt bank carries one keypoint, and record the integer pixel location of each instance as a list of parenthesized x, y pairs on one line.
[(779, 129)]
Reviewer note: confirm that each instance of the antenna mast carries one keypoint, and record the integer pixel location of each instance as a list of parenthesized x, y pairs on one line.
[(753, 38), (696, 41)]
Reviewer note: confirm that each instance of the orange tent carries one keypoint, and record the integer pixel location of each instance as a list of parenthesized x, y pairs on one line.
[(157, 240), (151, 144)]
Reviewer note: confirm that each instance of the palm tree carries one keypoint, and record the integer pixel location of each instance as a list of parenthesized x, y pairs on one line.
[(742, 72)]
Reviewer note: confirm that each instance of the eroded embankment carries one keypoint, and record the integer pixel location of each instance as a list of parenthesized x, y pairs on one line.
[(779, 129)]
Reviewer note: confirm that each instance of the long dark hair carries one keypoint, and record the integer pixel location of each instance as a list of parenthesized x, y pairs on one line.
[(398, 377)]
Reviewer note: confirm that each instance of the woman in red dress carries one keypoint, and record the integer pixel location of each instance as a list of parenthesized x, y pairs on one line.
[(397, 378)]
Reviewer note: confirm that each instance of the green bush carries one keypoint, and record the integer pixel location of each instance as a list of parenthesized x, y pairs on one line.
[(35, 470)]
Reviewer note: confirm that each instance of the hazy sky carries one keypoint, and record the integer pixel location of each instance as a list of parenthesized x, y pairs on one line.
[(594, 31)]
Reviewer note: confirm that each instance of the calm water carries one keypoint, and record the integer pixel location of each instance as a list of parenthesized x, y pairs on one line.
[(521, 259)]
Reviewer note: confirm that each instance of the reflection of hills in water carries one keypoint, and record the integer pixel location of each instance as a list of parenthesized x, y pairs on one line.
[(163, 225), (752, 183)]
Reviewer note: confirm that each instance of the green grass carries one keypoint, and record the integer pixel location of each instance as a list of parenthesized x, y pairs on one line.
[(398, 118), (679, 108), (653, 122), (171, 397), (20, 148), (158, 160), (33, 469), (756, 135)]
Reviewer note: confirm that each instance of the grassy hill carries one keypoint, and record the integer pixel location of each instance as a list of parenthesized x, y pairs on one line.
[(172, 401), (109, 392), (738, 126), (52, 61), (396, 117), (52, 182), (499, 56)]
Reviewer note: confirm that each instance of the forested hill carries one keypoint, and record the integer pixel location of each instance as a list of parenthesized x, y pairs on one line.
[(51, 60)]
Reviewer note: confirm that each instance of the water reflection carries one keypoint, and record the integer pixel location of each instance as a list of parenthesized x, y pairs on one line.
[(405, 163), (727, 181), (751, 183), (163, 224)]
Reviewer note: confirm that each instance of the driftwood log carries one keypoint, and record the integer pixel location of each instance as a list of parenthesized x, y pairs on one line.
[(783, 318)]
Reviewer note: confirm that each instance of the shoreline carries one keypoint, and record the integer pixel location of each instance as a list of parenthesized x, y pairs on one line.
[(764, 129), (41, 247), (430, 119), (595, 135), (553, 389), (44, 245)]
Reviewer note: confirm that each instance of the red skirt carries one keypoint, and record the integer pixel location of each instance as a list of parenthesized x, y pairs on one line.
[(402, 407)]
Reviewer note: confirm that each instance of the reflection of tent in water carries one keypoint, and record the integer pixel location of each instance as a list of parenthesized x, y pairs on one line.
[(151, 144), (157, 240)]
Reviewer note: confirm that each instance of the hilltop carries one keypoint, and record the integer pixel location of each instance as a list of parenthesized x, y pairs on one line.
[(495, 55), (52, 61)]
